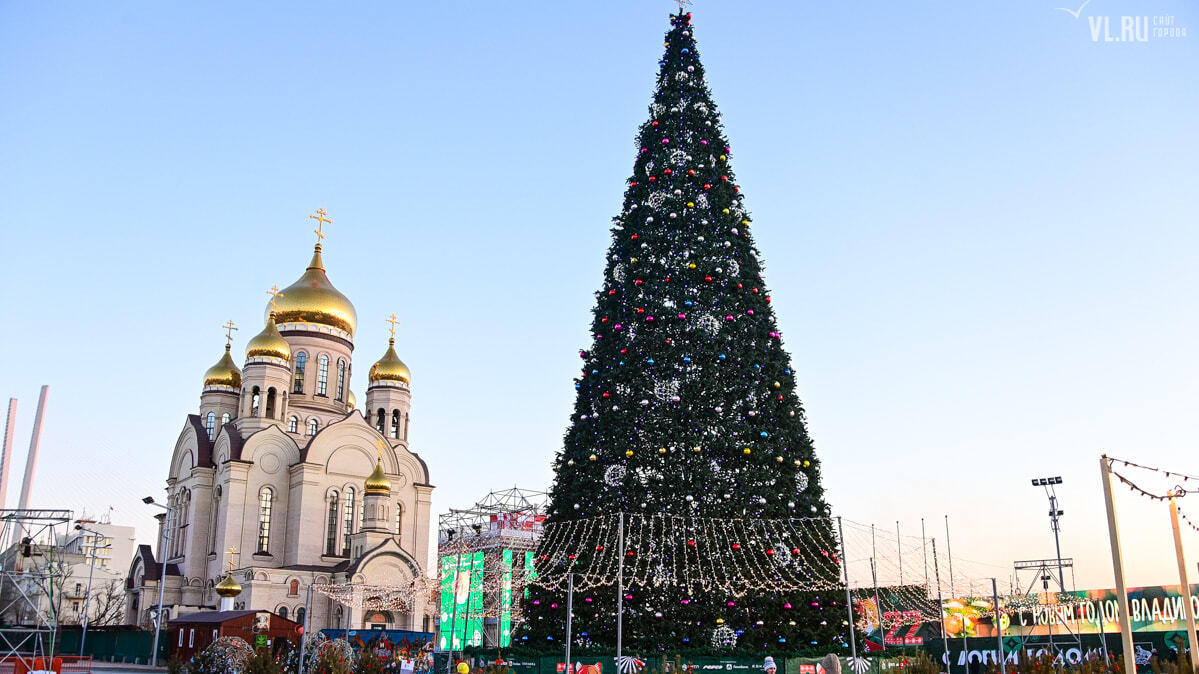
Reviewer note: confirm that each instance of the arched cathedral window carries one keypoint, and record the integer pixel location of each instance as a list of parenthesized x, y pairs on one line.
[(381, 420), (210, 425), (255, 401), (293, 424), (331, 531), (341, 379), (216, 514), (348, 524), (266, 499), (395, 424), (322, 376), (224, 418), (399, 519), (312, 425), (301, 364)]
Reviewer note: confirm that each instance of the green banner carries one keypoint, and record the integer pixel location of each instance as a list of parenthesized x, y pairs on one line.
[(448, 564), (474, 611), (506, 602)]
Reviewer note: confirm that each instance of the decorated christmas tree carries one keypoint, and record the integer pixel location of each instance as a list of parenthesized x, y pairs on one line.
[(687, 414)]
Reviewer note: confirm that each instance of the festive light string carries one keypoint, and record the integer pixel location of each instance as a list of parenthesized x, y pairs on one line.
[(734, 556), (1187, 520), (1168, 473), (1177, 492)]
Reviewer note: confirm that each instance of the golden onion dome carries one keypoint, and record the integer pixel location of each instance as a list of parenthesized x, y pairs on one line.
[(351, 401), (228, 588), (269, 342), (313, 299), (390, 367), (224, 373), (378, 484)]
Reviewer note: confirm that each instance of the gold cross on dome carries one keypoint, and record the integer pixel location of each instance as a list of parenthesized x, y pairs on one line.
[(275, 294), (394, 322), (232, 552), (321, 221), (229, 328), (379, 447)]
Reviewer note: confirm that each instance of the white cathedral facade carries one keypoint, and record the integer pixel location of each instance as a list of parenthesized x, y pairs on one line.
[(279, 464)]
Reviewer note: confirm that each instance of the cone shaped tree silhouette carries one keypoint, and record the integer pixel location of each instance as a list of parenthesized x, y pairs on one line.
[(686, 403)]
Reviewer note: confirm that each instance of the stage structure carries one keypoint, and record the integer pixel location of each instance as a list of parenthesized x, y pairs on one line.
[(485, 559), (32, 574)]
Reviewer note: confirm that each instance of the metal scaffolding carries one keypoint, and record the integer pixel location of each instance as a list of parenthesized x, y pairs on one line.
[(507, 520), (31, 576)]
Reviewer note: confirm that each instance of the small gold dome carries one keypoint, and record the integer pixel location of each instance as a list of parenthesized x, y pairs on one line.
[(269, 342), (351, 401), (378, 484), (228, 587), (224, 373), (390, 367), (313, 299)]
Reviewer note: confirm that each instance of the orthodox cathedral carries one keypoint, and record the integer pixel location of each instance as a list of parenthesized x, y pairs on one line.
[(280, 468)]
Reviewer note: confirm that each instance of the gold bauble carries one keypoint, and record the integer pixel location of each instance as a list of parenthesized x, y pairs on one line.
[(806, 463), (725, 211), (691, 266), (570, 462), (661, 450), (591, 458), (747, 450), (777, 385), (628, 452)]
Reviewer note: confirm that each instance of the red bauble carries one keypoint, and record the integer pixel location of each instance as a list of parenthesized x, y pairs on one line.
[(736, 546), (707, 186), (690, 172), (599, 548), (634, 237), (708, 279), (652, 179), (606, 394)]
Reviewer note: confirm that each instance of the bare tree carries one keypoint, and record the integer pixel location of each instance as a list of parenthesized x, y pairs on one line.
[(108, 604)]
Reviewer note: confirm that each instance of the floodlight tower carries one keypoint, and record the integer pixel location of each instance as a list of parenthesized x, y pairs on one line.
[(1054, 513)]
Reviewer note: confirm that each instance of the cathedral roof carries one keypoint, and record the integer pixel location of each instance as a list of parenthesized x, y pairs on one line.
[(224, 373), (390, 367), (313, 299), (203, 444), (269, 342)]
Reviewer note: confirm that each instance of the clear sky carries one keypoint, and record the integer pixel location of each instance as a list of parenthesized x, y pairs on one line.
[(979, 225)]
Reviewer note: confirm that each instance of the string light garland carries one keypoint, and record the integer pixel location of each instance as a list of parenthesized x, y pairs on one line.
[(1168, 473), (733, 556)]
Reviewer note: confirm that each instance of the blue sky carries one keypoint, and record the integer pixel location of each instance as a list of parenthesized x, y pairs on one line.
[(979, 227)]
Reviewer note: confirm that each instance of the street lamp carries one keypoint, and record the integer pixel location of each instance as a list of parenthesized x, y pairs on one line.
[(87, 599), (1054, 513), (162, 571)]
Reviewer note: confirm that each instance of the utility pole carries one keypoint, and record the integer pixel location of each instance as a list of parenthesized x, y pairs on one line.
[(853, 644), (570, 601), (619, 590), (998, 628), (1105, 473), (87, 600), (1184, 585)]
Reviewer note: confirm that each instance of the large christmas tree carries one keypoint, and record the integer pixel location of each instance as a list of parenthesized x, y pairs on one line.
[(686, 405)]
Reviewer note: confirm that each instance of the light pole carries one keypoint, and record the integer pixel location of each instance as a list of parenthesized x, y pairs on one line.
[(87, 599), (1054, 514), (162, 571)]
